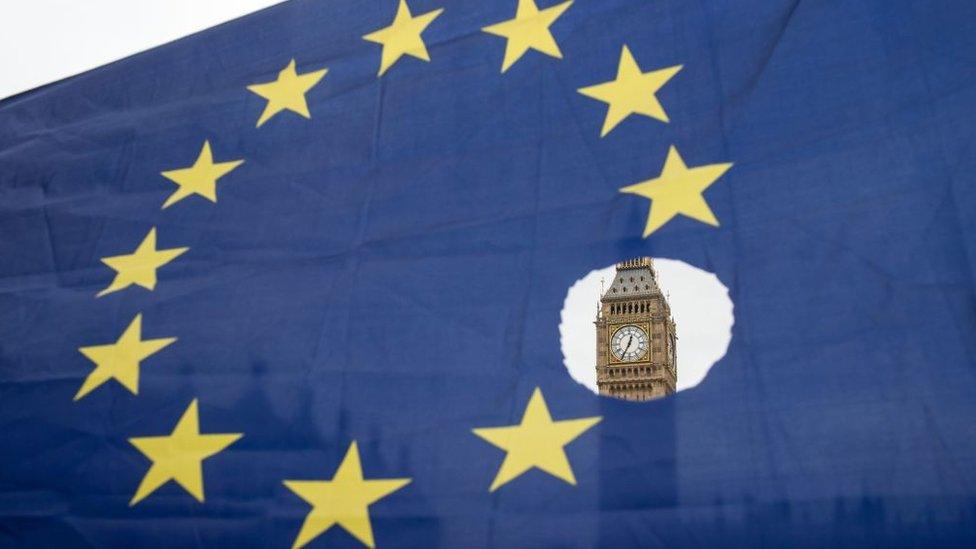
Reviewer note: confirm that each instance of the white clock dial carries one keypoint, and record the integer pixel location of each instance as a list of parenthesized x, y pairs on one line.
[(629, 343)]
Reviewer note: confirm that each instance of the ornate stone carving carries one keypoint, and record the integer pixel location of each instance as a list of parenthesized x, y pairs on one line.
[(634, 299)]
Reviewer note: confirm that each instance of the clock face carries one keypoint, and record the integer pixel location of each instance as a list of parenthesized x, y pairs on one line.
[(629, 343)]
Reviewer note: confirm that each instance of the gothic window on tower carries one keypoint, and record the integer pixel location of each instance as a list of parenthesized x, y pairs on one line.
[(650, 314)]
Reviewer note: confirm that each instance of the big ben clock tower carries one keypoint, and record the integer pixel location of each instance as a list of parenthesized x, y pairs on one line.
[(636, 344)]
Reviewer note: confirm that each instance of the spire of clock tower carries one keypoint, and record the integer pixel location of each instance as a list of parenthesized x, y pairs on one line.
[(634, 278)]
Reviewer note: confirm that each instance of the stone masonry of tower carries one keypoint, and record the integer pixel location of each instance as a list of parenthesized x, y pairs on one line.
[(634, 306)]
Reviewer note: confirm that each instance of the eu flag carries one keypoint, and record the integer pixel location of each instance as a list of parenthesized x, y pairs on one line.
[(296, 280)]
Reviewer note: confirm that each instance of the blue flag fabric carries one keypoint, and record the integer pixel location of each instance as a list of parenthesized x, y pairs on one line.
[(341, 329)]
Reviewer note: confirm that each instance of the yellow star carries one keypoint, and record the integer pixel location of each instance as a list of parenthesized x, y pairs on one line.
[(529, 29), (402, 37), (120, 360), (180, 455), (200, 178), (631, 93), (344, 500), (140, 266), (678, 190), (536, 442), (287, 92)]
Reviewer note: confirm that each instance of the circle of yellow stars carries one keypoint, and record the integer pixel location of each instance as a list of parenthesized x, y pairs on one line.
[(537, 441)]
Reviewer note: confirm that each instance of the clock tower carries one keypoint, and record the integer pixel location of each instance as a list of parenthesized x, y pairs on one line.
[(636, 344)]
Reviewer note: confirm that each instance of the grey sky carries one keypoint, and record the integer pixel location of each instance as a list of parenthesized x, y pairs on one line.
[(95, 32)]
